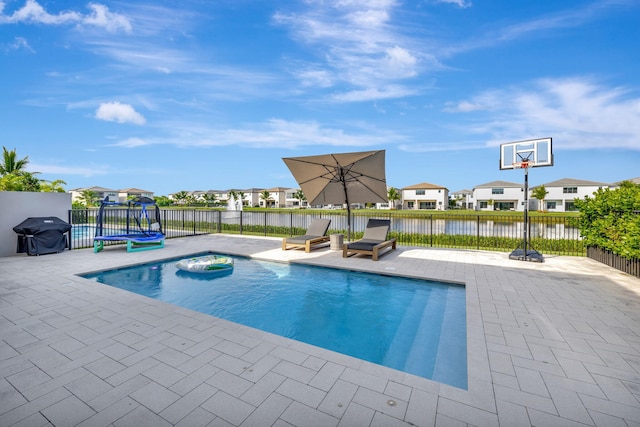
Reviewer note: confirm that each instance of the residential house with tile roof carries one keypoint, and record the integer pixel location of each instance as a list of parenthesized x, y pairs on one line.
[(462, 199), (112, 195), (499, 196), (563, 193), (425, 196)]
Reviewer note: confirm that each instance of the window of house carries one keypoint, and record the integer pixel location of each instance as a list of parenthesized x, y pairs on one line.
[(570, 190), (420, 192), (483, 205), (497, 191), (570, 206), (551, 204), (410, 205), (427, 205)]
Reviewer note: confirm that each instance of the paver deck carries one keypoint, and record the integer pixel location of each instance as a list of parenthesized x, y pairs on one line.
[(551, 344)]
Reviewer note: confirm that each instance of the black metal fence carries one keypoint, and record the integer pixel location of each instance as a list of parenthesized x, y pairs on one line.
[(547, 234), (627, 265)]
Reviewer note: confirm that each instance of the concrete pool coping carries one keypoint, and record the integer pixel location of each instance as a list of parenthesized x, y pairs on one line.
[(555, 343)]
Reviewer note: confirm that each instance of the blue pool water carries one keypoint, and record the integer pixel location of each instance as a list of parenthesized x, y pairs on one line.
[(415, 326)]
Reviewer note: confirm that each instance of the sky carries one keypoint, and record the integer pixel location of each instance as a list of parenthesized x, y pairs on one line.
[(203, 95)]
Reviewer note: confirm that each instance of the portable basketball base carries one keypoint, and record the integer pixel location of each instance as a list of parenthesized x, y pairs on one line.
[(525, 155)]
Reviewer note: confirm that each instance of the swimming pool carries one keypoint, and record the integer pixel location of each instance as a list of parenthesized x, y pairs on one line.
[(415, 326)]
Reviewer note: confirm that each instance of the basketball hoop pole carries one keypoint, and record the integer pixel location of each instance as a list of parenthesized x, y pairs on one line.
[(524, 155), (526, 209), (526, 254)]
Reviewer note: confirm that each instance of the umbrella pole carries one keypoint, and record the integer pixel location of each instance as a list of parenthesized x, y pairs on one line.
[(346, 199)]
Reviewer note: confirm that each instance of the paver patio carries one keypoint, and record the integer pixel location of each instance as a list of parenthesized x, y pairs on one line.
[(552, 344)]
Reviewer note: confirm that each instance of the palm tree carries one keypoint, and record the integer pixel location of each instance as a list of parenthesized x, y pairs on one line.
[(300, 197), (540, 193), (266, 196), (55, 186), (209, 199), (9, 163), (89, 198), (393, 195), (180, 197)]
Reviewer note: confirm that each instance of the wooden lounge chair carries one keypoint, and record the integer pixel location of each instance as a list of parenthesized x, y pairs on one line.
[(316, 234), (373, 241)]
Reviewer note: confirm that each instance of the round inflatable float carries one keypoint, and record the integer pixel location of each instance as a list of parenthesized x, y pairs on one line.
[(208, 264)]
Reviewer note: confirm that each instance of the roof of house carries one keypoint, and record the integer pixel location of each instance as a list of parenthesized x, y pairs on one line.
[(634, 180), (575, 182), (424, 186), (95, 189), (134, 190), (279, 189), (465, 191), (499, 184)]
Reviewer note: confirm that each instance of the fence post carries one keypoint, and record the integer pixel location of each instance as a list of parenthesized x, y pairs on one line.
[(241, 212), (194, 221), (478, 232), (431, 230), (219, 222), (265, 223)]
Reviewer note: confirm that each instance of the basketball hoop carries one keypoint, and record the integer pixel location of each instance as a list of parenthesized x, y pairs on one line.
[(522, 165)]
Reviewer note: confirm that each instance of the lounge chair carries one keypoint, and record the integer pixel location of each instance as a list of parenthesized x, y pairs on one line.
[(315, 235), (373, 241)]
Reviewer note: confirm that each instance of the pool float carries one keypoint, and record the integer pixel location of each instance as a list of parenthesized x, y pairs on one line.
[(206, 264)]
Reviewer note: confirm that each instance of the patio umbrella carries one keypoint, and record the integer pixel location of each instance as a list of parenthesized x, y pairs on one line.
[(342, 178)]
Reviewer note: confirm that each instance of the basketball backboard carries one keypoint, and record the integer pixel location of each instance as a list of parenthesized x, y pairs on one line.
[(537, 152)]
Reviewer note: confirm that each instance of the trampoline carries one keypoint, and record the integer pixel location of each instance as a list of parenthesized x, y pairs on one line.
[(135, 222)]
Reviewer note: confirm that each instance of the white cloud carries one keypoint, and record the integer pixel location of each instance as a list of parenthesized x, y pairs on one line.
[(459, 3), (121, 113), (372, 94), (103, 18), (277, 133), (100, 16), (578, 113), (131, 143), (19, 43), (357, 45), (57, 170)]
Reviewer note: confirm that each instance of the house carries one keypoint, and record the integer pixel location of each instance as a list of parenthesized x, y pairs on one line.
[(499, 196), (563, 192), (632, 180), (425, 196), (277, 198), (462, 199), (109, 194), (291, 201), (252, 197)]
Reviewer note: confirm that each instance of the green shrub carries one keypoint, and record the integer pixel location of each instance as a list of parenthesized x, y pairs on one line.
[(611, 220)]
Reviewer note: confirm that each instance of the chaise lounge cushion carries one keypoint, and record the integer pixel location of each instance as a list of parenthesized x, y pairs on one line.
[(315, 235)]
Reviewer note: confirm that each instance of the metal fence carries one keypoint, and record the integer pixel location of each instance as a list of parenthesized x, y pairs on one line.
[(627, 265), (547, 234)]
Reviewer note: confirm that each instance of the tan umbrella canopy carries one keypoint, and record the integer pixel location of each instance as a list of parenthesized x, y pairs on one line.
[(341, 178)]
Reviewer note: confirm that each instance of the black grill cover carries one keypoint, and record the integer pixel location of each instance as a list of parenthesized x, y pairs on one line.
[(42, 235)]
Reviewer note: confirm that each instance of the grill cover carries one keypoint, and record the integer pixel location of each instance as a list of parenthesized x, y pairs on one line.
[(42, 235)]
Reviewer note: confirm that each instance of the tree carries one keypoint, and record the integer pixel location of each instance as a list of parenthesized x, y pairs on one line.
[(540, 193), (10, 164), (393, 194), (89, 198), (23, 181), (300, 197), (266, 196), (209, 199), (163, 201), (55, 186), (611, 219), (180, 197)]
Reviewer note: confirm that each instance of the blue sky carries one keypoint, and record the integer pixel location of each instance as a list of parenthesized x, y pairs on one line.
[(198, 95)]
